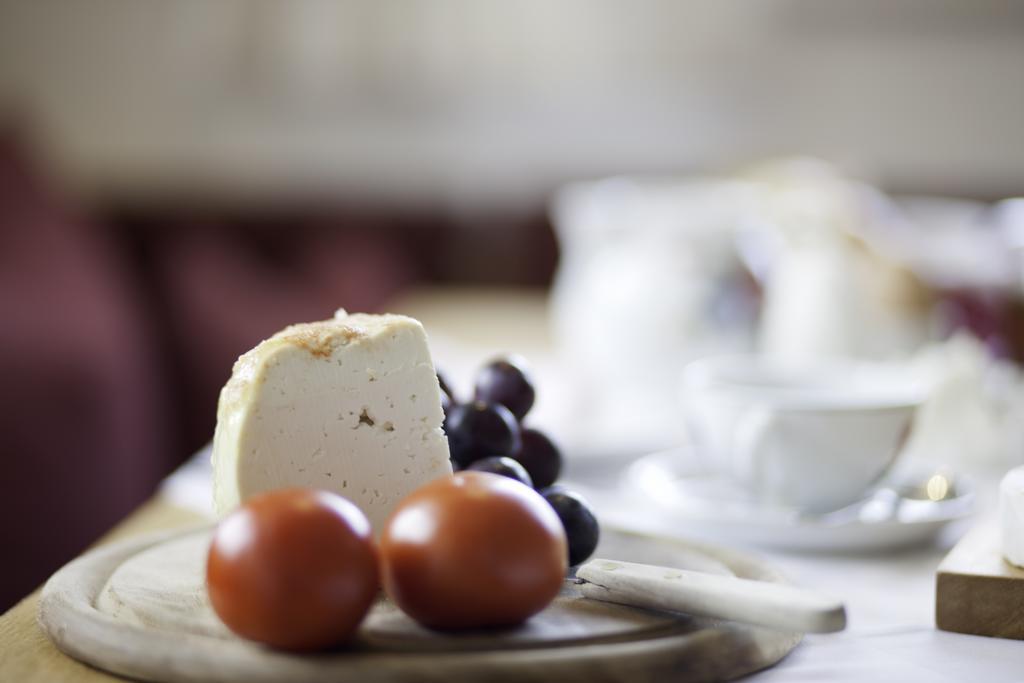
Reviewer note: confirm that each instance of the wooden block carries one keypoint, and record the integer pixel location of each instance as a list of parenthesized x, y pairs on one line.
[(977, 591)]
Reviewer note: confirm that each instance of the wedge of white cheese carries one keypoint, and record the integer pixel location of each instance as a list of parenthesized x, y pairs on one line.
[(351, 405), (1011, 513)]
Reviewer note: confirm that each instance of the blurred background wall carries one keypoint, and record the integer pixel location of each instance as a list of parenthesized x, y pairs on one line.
[(473, 101), (178, 180)]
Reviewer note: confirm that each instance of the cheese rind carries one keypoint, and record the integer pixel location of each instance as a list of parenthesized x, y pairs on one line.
[(351, 405), (1011, 513)]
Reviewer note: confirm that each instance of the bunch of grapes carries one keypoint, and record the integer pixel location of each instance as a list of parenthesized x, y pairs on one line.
[(487, 434)]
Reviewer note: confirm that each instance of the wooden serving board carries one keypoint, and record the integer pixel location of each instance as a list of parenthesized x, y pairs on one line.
[(977, 591), (140, 609)]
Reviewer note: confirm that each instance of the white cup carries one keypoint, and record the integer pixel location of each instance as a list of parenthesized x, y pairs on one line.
[(809, 437)]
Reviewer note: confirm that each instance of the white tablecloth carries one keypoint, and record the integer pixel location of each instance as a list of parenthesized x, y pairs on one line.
[(891, 635)]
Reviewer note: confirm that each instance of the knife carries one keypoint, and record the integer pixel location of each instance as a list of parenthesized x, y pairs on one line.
[(760, 603)]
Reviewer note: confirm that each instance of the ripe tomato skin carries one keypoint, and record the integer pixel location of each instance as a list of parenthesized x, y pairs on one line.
[(295, 569), (473, 550)]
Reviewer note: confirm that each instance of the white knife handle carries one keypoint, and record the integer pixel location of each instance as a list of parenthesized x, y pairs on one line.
[(760, 603)]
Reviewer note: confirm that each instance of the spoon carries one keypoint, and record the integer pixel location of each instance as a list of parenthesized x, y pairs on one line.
[(906, 502), (759, 603)]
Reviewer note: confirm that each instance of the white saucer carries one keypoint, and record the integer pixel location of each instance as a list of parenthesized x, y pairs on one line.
[(669, 493)]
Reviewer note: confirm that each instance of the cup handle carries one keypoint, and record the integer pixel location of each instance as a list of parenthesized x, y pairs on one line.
[(751, 427)]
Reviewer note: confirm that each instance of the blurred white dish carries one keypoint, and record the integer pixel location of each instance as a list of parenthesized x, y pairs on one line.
[(670, 493), (814, 437)]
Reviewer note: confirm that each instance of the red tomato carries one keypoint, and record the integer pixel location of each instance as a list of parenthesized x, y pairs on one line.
[(295, 569), (473, 550)]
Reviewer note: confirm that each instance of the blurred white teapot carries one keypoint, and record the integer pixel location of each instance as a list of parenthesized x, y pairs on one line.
[(649, 278)]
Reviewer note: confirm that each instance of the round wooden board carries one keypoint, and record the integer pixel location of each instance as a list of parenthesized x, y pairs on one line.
[(140, 609)]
